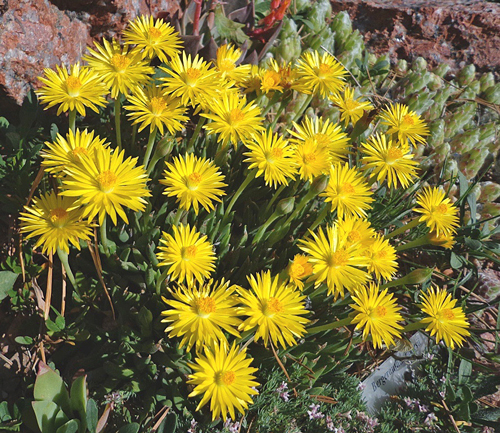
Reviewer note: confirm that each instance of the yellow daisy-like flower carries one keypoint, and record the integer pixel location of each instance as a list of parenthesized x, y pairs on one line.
[(193, 181), (348, 192), (64, 152), (227, 58), (224, 376), (252, 82), (270, 81), (335, 261), (299, 269), (325, 133), (444, 240), (187, 253), (191, 80), (440, 215), (74, 90), (405, 123), (288, 74), (120, 69), (275, 308), (152, 38), (356, 230), (272, 156), (351, 109), (390, 161), (57, 221), (378, 315), (154, 107), (233, 119), (201, 313), (382, 258), (320, 75), (105, 182), (446, 321), (312, 159)]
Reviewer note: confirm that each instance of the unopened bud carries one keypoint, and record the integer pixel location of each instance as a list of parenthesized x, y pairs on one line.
[(319, 184), (285, 206), (418, 276)]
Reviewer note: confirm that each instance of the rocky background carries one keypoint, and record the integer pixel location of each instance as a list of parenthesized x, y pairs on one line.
[(35, 34)]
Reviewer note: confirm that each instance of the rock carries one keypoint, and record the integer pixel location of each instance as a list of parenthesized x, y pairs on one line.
[(455, 32), (38, 34)]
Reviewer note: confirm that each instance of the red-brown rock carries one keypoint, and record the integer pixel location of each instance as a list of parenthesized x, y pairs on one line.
[(456, 32)]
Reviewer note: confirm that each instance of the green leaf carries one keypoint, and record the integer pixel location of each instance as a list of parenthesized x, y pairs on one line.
[(71, 426), (7, 280), (170, 423), (464, 371), (487, 415), (78, 398), (49, 386), (92, 415), (45, 413), (129, 428), (455, 261), (228, 29), (24, 340)]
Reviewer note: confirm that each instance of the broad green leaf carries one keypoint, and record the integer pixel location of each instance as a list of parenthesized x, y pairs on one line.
[(25, 340), (92, 415), (71, 426), (464, 371), (45, 413), (228, 29), (49, 386), (78, 398), (129, 428), (7, 280)]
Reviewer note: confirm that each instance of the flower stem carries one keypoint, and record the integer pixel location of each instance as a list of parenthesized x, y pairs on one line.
[(104, 237), (134, 135), (248, 179), (72, 120), (413, 326), (274, 198), (196, 134), (320, 217), (339, 324), (307, 198), (160, 281), (413, 223), (118, 122), (303, 108), (63, 256), (264, 227), (149, 147), (178, 217), (276, 97), (424, 240)]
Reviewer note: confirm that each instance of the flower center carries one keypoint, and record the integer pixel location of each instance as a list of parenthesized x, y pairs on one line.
[(447, 314), (194, 180), (380, 254), (408, 120), (77, 152), (120, 62), (154, 33), (338, 258), (347, 188), (351, 104), (226, 65), (205, 306), (324, 69), (107, 181), (379, 311), (354, 236), (442, 208), (58, 217), (276, 153), (236, 115), (296, 270), (273, 306), (192, 74), (270, 79), (74, 85), (321, 139), (158, 104), (394, 154), (225, 378), (188, 252), (309, 157)]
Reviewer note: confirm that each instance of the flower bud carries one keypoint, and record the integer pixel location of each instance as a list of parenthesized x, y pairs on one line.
[(285, 206), (418, 276), (466, 75), (442, 69), (419, 64), (319, 184)]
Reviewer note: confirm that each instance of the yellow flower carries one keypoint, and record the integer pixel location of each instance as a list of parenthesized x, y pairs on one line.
[(187, 253), (233, 119), (224, 376), (201, 313), (152, 106), (390, 161), (120, 69), (272, 156), (288, 74), (348, 192), (57, 222), (335, 260), (270, 80), (252, 82), (356, 230), (378, 315), (437, 211), (152, 38), (444, 240), (105, 182), (320, 75), (227, 58), (382, 258), (445, 321), (193, 81), (312, 159), (351, 109), (405, 123), (64, 152), (193, 181), (74, 90), (299, 269), (325, 133), (275, 308)]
